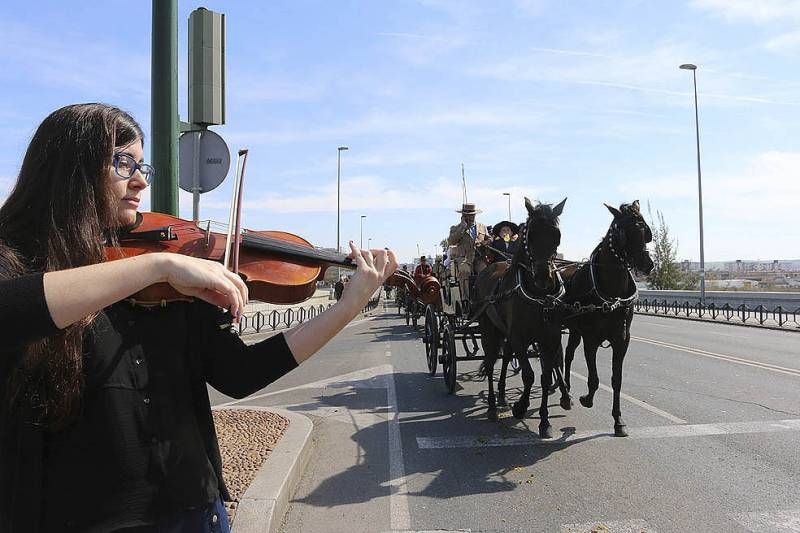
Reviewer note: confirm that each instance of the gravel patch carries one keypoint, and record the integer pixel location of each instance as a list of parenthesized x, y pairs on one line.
[(246, 439)]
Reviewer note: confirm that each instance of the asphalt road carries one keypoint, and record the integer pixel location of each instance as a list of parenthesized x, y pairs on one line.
[(713, 413)]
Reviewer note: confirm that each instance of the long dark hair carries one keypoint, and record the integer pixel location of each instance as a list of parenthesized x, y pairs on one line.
[(58, 216)]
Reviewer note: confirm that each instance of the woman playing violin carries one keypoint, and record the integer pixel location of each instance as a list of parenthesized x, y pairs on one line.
[(105, 420)]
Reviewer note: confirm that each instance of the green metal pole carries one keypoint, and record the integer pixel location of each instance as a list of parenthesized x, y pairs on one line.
[(164, 107)]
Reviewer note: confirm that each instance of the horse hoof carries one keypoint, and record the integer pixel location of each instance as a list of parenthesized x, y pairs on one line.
[(491, 414), (545, 432), (586, 401), (566, 403), (518, 411), (620, 431)]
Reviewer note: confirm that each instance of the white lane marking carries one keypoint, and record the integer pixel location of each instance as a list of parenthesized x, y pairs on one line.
[(770, 522), (400, 517), (653, 432), (372, 377), (723, 357), (640, 403), (617, 526)]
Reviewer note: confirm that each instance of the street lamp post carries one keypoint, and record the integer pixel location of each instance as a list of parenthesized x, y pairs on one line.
[(338, 192), (693, 68), (509, 204), (369, 243), (361, 243)]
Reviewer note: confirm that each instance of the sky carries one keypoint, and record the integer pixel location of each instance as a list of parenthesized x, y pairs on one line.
[(538, 98)]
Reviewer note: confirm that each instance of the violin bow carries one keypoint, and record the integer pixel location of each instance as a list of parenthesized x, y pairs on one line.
[(234, 217)]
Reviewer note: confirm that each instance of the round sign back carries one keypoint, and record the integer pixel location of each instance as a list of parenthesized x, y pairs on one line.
[(210, 151)]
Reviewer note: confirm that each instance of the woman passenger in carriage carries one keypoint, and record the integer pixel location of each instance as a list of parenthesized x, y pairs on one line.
[(505, 236)]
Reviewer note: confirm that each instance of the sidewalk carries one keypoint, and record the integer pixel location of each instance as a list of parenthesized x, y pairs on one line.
[(266, 497)]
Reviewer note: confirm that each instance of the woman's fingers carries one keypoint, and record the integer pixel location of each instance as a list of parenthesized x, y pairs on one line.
[(381, 258), (357, 257)]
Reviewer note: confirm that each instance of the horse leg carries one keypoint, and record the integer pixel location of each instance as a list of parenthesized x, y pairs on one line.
[(491, 348), (590, 353), (546, 360), (620, 348), (528, 378), (566, 399), (573, 341), (501, 383)]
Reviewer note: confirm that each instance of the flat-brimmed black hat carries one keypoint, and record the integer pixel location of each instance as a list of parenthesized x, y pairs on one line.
[(510, 225)]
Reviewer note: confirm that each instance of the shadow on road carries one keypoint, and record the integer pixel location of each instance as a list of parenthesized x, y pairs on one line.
[(431, 413)]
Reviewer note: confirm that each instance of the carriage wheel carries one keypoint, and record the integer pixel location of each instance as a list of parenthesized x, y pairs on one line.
[(449, 358), (431, 339)]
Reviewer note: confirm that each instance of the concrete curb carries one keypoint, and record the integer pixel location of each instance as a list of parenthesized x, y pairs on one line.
[(264, 504)]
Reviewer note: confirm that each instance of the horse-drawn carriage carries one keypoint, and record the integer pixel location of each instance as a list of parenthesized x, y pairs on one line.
[(522, 307), (414, 295)]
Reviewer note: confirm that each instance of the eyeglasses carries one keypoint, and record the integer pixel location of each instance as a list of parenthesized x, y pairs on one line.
[(125, 166)]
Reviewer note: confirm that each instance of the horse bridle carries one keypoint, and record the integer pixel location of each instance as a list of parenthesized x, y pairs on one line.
[(547, 300), (613, 231)]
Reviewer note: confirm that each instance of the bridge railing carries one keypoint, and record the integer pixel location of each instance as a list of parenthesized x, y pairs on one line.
[(759, 315), (285, 318)]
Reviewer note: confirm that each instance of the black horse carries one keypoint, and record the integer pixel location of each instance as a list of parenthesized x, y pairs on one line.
[(516, 306), (601, 294)]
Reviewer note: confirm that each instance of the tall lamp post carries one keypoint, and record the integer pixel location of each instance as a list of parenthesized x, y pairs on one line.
[(338, 192), (509, 204), (693, 68), (361, 243), (369, 243)]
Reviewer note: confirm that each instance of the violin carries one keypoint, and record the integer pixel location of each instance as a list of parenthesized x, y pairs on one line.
[(277, 267)]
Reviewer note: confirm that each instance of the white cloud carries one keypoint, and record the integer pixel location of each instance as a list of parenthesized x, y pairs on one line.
[(749, 212), (654, 72), (760, 11), (786, 42), (508, 115), (530, 8), (369, 192), (77, 61)]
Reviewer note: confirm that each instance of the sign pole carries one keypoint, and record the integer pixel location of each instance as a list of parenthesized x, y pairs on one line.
[(196, 178)]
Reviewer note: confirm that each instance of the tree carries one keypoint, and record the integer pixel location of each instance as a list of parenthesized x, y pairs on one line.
[(666, 274), (444, 244)]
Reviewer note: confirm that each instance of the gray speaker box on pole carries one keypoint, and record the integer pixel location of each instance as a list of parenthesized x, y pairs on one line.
[(206, 67)]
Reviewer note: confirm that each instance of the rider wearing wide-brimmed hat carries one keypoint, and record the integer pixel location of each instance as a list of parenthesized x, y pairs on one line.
[(463, 238)]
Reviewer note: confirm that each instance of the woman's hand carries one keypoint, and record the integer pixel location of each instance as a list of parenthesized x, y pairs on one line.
[(373, 268), (207, 280)]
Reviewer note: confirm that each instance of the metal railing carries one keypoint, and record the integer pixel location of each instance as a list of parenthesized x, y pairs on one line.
[(285, 318), (759, 315)]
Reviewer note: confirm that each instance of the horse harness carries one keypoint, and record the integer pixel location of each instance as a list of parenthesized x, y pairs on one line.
[(607, 304)]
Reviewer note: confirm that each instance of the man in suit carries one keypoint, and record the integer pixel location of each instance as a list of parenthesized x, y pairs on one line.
[(463, 238)]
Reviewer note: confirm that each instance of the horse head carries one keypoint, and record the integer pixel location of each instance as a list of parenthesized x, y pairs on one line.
[(540, 239), (629, 235)]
